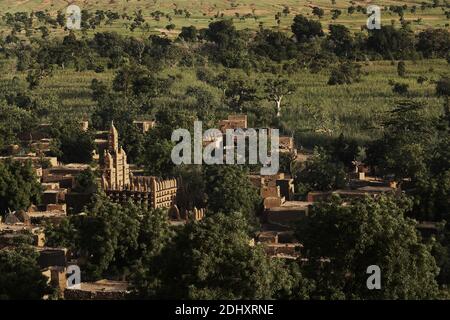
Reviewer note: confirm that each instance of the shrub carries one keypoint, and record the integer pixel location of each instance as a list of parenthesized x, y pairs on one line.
[(346, 73)]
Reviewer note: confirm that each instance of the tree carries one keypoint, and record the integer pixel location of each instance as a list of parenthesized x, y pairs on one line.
[(126, 76), (34, 78), (336, 13), (276, 45), (189, 34), (230, 46), (205, 102), (74, 145), (400, 88), (105, 237), (305, 29), (20, 275), (390, 42), (151, 86), (86, 182), (401, 68), (13, 122), (222, 32), (345, 73), (443, 87), (19, 186), (154, 235), (319, 12), (229, 190), (434, 43), (111, 239), (61, 18), (171, 26), (212, 259), (320, 173), (287, 162), (157, 158), (238, 93), (276, 89), (341, 40), (343, 150), (405, 146), (157, 144), (364, 233)]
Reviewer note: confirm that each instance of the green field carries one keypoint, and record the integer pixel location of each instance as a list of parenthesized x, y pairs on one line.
[(316, 110), (203, 12), (316, 107)]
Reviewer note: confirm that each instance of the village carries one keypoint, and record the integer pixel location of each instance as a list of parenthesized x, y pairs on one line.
[(121, 182)]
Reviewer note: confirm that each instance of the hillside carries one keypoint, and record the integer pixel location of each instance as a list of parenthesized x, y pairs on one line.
[(246, 13)]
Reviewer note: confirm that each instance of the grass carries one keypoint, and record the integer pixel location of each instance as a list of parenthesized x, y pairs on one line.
[(314, 112), (203, 12)]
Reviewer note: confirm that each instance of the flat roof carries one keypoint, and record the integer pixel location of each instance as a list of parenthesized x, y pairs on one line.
[(47, 214), (103, 286)]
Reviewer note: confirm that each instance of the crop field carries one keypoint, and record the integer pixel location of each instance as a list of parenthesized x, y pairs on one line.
[(246, 13), (315, 111)]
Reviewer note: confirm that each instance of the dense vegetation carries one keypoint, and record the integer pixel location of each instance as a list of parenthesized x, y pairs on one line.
[(378, 96)]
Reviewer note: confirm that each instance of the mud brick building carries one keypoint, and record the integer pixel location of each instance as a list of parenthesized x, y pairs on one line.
[(119, 183)]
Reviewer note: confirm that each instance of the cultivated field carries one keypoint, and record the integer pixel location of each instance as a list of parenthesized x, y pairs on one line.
[(316, 110), (202, 12)]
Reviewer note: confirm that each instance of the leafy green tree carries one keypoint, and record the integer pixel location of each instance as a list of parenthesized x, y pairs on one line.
[(276, 89), (404, 149), (157, 158), (229, 190), (73, 145), (391, 42), (239, 93), (443, 87), (320, 173), (20, 275), (205, 104), (112, 240), (222, 32), (274, 44), (63, 234), (19, 186), (400, 88), (189, 34), (105, 237), (343, 150), (61, 18), (345, 73), (132, 140), (126, 76), (86, 181), (335, 13), (157, 142), (306, 29), (212, 259), (115, 107), (13, 122), (230, 46), (319, 12), (434, 43), (364, 233), (341, 40), (287, 162)]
